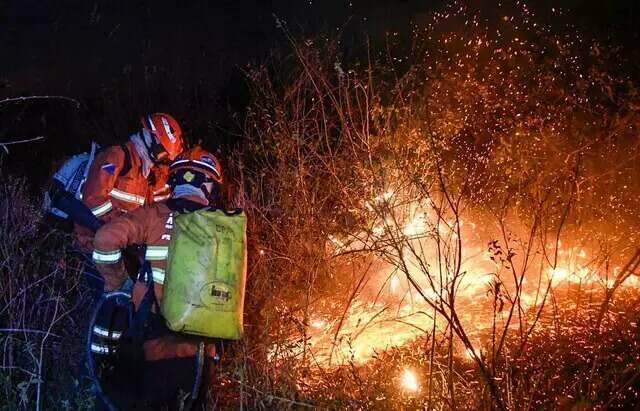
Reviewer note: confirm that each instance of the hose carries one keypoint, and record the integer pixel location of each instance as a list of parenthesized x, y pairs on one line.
[(198, 379)]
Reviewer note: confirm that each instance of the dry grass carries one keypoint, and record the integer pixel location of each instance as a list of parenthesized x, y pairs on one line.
[(42, 308)]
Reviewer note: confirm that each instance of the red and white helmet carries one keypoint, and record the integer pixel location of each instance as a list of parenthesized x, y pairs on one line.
[(200, 169), (167, 133), (199, 160)]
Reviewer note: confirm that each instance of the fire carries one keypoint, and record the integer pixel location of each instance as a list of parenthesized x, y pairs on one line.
[(476, 220), (318, 324), (416, 226), (394, 284), (558, 274), (409, 381), (469, 354), (391, 310)]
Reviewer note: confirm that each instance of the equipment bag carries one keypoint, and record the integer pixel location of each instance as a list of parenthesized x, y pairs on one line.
[(71, 176), (206, 274)]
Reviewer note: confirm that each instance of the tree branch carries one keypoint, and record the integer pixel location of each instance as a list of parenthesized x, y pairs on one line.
[(22, 99)]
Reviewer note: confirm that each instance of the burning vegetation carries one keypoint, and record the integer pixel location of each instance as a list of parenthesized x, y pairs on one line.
[(449, 227), (448, 223)]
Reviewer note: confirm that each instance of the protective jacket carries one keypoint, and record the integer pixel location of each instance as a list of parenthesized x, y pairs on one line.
[(151, 226), (116, 184)]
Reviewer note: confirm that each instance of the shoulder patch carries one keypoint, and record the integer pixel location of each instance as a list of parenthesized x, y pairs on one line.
[(109, 168)]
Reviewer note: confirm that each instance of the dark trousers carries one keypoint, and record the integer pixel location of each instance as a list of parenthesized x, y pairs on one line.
[(169, 383)]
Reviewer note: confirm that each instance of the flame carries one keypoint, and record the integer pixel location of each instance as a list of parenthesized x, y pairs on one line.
[(391, 312), (394, 284), (409, 381), (469, 353), (558, 274), (416, 226), (632, 281), (318, 324)]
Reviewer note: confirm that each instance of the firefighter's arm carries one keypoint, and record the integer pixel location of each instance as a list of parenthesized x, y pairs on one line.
[(101, 179), (109, 242), (160, 190)]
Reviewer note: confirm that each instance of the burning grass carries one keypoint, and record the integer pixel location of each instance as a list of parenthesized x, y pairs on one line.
[(425, 223)]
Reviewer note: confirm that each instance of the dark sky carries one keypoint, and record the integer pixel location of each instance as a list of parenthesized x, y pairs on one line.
[(124, 57), (76, 45)]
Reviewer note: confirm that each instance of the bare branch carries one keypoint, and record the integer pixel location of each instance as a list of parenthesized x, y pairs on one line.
[(23, 99), (9, 143)]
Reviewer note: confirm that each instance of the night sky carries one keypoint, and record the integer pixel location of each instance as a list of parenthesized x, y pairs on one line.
[(123, 58)]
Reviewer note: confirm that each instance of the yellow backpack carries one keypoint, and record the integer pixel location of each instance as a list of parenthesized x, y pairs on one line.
[(206, 274)]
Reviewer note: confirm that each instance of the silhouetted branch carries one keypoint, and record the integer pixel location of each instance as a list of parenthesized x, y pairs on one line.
[(28, 140), (23, 99)]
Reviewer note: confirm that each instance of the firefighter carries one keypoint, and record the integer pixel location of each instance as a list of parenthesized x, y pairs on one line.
[(195, 180), (128, 176), (120, 179), (124, 177)]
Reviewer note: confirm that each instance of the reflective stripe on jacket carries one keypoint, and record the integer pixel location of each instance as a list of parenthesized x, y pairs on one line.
[(109, 194), (105, 184)]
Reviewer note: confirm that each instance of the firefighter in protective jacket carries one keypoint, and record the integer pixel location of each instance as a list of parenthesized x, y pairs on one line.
[(125, 177), (195, 180)]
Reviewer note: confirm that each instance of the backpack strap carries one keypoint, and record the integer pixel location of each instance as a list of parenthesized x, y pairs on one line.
[(141, 316), (126, 165), (92, 156)]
